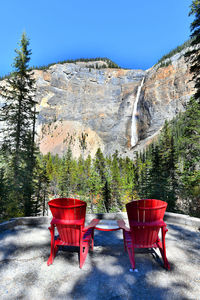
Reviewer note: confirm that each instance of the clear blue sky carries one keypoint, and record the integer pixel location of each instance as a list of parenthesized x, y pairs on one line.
[(132, 33)]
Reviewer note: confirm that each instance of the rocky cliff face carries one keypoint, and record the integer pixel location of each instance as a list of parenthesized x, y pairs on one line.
[(87, 108), (165, 93), (76, 100)]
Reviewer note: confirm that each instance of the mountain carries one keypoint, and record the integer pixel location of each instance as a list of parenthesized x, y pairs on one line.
[(85, 107)]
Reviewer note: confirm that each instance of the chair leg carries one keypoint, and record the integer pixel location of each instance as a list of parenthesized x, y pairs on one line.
[(83, 254), (125, 248), (131, 255), (92, 240), (54, 247), (162, 249), (128, 246)]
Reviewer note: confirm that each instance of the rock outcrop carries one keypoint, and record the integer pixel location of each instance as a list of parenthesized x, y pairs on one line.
[(87, 108)]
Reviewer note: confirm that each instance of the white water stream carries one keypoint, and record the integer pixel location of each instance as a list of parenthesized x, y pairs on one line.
[(134, 134)]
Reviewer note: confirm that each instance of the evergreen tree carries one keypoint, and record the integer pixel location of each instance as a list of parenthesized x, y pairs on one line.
[(19, 114), (145, 178), (137, 173), (81, 176), (194, 54), (190, 156), (41, 186), (107, 197), (168, 157), (100, 164), (128, 179), (116, 183), (157, 182), (3, 195), (54, 183), (101, 168), (65, 174), (95, 186), (49, 166)]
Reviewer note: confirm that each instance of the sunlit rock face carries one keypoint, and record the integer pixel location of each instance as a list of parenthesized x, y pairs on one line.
[(76, 102), (165, 93), (74, 99)]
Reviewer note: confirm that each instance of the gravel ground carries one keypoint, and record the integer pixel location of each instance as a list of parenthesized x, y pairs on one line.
[(106, 274)]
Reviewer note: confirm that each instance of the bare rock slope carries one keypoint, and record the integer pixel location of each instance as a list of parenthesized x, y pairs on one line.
[(88, 108)]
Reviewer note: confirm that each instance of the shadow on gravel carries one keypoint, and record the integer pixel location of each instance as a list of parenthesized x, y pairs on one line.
[(14, 249), (7, 250), (186, 239), (106, 273), (111, 278), (113, 281)]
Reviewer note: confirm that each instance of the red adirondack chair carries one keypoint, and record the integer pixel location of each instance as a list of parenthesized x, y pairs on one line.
[(69, 219), (145, 220)]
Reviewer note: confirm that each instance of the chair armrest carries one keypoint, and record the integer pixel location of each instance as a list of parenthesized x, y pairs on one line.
[(92, 224), (122, 225), (66, 222), (159, 223)]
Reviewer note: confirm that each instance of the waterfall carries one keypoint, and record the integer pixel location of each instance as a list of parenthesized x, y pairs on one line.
[(134, 135)]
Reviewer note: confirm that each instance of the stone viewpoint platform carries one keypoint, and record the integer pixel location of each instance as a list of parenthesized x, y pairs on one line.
[(106, 274)]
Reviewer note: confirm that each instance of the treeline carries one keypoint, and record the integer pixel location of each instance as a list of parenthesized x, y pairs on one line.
[(5, 76), (108, 63), (161, 62)]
